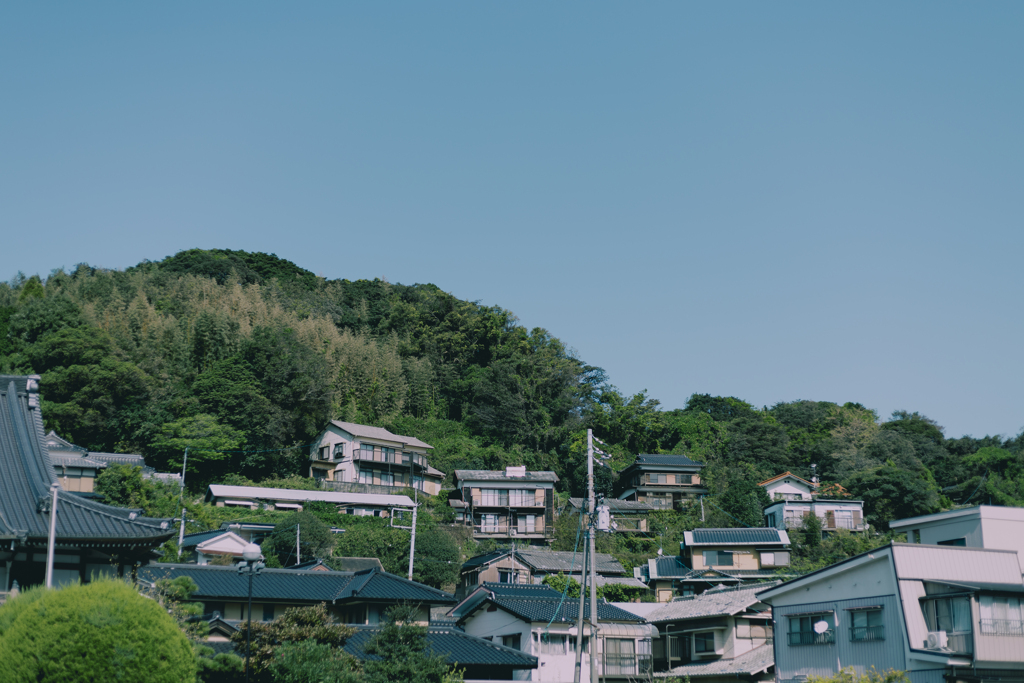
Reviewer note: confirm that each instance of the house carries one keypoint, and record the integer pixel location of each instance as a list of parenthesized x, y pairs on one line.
[(795, 499), (509, 503), (360, 458), (536, 620), (91, 538), (981, 526), (256, 497), (712, 557), (942, 613), (627, 516), (530, 566), (721, 635), (788, 486), (662, 481), (77, 467), (352, 597)]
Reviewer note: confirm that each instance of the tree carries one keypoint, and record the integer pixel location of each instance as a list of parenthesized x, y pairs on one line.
[(438, 558), (123, 486), (208, 443), (400, 652), (743, 500), (298, 624), (315, 538), (850, 675), (102, 631), (311, 662)]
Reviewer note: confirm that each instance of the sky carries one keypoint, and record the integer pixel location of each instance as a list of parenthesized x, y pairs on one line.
[(773, 201)]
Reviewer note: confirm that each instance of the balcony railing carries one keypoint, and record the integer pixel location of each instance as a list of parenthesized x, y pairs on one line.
[(395, 458), (828, 523), (960, 643), (353, 487), (812, 638), (630, 524), (1002, 627), (867, 633), (627, 665)]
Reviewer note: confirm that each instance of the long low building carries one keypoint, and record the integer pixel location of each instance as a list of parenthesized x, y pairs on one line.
[(254, 497)]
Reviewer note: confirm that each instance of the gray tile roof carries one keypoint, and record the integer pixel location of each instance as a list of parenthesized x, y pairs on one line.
[(194, 539), (76, 461), (379, 433), (132, 459), (459, 647), (499, 475), (711, 603), (290, 585), (670, 460), (756, 661), (26, 475), (736, 536), (563, 561), (537, 602)]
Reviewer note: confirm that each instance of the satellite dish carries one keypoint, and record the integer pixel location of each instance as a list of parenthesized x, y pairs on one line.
[(820, 626)]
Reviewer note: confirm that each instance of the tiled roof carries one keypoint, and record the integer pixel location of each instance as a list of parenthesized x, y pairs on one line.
[(499, 475), (459, 647), (194, 539), (485, 558), (791, 475), (754, 662), (711, 603), (297, 585), (734, 536), (672, 460), (563, 561), (119, 458), (378, 433), (76, 461), (55, 443), (617, 506), (542, 603), (26, 475)]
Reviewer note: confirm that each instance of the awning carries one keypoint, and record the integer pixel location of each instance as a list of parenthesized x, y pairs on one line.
[(239, 502)]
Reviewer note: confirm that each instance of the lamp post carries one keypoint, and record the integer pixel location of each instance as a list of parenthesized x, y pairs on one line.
[(250, 565)]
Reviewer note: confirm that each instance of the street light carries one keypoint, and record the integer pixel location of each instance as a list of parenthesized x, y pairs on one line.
[(250, 565)]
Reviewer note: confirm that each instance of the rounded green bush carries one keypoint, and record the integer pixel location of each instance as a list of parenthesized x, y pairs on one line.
[(103, 631)]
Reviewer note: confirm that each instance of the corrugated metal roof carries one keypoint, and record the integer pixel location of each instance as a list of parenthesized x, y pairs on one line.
[(957, 564), (735, 536), (194, 539), (754, 662), (379, 433), (295, 495), (563, 561), (499, 475), (671, 460), (711, 603), (26, 475)]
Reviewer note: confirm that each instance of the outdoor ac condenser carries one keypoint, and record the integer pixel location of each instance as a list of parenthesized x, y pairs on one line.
[(936, 640)]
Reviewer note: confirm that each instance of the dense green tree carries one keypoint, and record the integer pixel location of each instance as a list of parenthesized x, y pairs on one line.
[(400, 653), (890, 492), (313, 537), (37, 317), (311, 662), (313, 625), (123, 486), (210, 445)]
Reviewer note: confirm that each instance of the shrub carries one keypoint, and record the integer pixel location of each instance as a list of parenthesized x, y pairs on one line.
[(103, 631)]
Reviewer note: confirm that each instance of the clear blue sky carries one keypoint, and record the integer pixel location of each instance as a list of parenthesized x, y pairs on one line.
[(769, 200)]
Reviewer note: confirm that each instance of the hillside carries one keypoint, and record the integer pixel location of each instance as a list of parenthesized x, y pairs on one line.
[(244, 357)]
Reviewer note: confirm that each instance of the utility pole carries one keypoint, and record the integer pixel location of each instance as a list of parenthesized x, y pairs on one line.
[(412, 539), (579, 615), (181, 501), (53, 534), (181, 531), (592, 505), (298, 550)]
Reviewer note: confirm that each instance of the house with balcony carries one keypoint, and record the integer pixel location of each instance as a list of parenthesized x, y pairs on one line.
[(717, 557), (534, 619), (662, 481), (627, 516), (505, 504), (941, 613), (721, 635), (530, 565), (794, 499), (358, 458)]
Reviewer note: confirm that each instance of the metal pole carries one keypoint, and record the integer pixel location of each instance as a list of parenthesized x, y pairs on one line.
[(593, 558), (412, 540), (183, 466), (579, 615), (53, 535), (248, 630), (298, 551), (181, 532)]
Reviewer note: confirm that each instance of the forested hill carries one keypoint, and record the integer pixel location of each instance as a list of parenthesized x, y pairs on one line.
[(244, 357)]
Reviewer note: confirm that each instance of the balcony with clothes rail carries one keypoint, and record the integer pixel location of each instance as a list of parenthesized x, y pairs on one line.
[(500, 526), (390, 456), (626, 665), (828, 522)]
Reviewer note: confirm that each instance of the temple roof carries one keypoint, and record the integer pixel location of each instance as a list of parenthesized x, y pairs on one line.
[(27, 475)]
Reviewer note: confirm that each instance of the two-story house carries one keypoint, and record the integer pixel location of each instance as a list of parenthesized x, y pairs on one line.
[(627, 516), (506, 504), (721, 635), (981, 526), (360, 458), (941, 613), (794, 499), (713, 557), (662, 481), (536, 620), (77, 467)]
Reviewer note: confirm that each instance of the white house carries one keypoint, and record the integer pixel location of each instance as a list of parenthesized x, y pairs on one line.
[(983, 526), (356, 454), (942, 613), (788, 486), (535, 620)]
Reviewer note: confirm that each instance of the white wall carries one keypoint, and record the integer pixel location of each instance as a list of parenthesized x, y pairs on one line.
[(788, 486)]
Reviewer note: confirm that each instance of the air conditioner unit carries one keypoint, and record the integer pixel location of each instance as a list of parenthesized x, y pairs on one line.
[(936, 640), (512, 531)]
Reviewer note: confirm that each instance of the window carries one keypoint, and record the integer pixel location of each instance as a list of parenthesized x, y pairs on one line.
[(619, 657), (775, 558), (961, 542), (684, 478), (489, 524), (508, 577), (387, 479), (365, 476), (494, 497), (527, 524), (866, 624), (417, 482), (704, 642), (1001, 616), (211, 607), (511, 641), (366, 451), (952, 615), (552, 644), (770, 519), (268, 612), (388, 454), (520, 497), (718, 558), (339, 449), (807, 629)]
